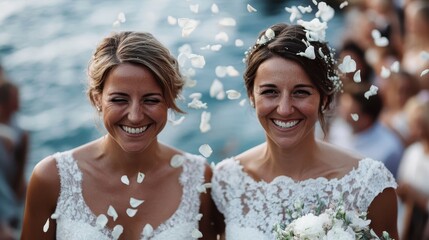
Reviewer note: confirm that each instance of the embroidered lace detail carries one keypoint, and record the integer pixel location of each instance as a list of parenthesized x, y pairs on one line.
[(76, 221), (252, 208)]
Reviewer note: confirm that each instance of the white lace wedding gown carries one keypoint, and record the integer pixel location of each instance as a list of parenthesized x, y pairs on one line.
[(76, 221), (252, 208)]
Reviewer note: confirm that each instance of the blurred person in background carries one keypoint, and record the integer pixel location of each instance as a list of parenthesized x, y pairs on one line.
[(358, 127), (413, 173), (13, 157)]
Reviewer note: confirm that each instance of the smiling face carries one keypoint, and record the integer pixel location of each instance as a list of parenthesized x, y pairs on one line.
[(286, 102), (133, 107)]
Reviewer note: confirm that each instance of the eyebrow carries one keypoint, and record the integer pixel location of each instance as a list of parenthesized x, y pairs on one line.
[(145, 95), (270, 85)]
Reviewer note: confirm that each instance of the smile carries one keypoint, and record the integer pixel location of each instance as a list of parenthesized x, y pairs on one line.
[(131, 130), (285, 124)]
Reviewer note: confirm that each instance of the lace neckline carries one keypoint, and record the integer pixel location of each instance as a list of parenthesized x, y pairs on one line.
[(106, 230), (289, 180)]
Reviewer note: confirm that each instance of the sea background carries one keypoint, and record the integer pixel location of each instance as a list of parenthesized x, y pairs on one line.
[(45, 46)]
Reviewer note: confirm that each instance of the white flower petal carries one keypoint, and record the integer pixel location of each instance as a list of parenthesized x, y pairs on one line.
[(171, 20), (197, 104), (188, 25), (309, 53), (46, 226), (344, 4), (294, 13), (204, 124), (131, 212), (424, 72), (177, 161), (233, 94), (325, 12), (220, 71), (307, 9), (197, 61), (134, 202), (385, 72), (121, 17), (354, 116), (222, 37), (216, 90), (54, 215), (395, 67), (348, 65), (194, 8), (117, 231), (250, 8), (148, 230), (239, 43), (112, 212), (199, 216), (227, 22), (125, 180), (203, 188), (171, 116), (231, 71), (242, 102), (214, 8), (371, 92), (196, 234), (216, 47), (101, 221), (205, 150), (270, 34), (356, 77), (196, 95), (378, 39)]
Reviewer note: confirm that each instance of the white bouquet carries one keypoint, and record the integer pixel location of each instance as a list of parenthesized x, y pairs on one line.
[(329, 225)]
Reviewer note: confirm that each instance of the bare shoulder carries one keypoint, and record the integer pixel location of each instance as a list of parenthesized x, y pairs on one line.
[(45, 173), (340, 159), (251, 155)]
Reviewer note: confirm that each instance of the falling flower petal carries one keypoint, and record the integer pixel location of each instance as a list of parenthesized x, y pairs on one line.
[(101, 221), (231, 71), (371, 92), (199, 216), (121, 17), (148, 230), (204, 124), (140, 177), (54, 215), (395, 67), (205, 150), (216, 90), (46, 226), (356, 77), (112, 212), (220, 71), (194, 8), (216, 47), (227, 22), (315, 29), (125, 180), (172, 20), (385, 73), (196, 234), (325, 12), (307, 9), (242, 102), (171, 116), (134, 202), (233, 94), (188, 25), (348, 65), (294, 13), (197, 61), (203, 188), (196, 95), (424, 72), (239, 43), (222, 37), (197, 104), (251, 9), (214, 8), (354, 116), (378, 39), (309, 53), (314, 2), (344, 4), (131, 212), (177, 161), (117, 231)]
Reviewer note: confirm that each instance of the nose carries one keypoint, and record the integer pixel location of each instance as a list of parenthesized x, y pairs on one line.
[(285, 106), (135, 114)]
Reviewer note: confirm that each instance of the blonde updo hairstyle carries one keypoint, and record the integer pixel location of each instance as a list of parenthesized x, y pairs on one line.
[(138, 48)]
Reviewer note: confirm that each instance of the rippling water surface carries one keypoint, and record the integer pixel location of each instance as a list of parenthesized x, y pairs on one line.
[(45, 46)]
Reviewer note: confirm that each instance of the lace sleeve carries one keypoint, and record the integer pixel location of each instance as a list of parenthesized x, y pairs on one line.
[(376, 177)]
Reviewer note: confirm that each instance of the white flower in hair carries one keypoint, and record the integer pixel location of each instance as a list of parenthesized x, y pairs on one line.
[(315, 29), (309, 53)]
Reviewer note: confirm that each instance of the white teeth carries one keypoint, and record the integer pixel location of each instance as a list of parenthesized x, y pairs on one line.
[(134, 130), (285, 124)]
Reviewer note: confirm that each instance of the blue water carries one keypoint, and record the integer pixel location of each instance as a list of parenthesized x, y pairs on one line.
[(45, 46)]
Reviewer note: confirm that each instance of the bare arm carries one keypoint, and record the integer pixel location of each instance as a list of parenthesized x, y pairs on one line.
[(42, 194), (210, 225), (383, 213)]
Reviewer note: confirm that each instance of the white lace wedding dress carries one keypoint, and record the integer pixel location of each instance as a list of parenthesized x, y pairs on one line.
[(76, 221), (252, 208)]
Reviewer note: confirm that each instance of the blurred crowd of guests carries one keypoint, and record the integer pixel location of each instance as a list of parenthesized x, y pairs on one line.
[(393, 125), (13, 155)]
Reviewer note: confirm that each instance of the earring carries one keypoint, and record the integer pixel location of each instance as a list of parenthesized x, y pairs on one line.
[(98, 108)]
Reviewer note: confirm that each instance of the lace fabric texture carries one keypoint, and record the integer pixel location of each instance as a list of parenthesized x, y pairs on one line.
[(76, 221), (252, 208)]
